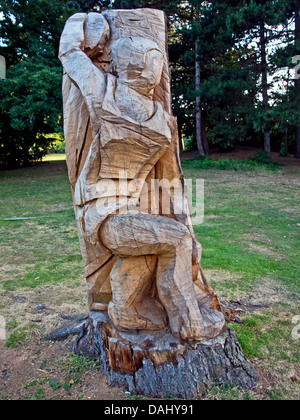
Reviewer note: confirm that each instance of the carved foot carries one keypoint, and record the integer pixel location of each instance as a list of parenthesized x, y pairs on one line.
[(210, 324)]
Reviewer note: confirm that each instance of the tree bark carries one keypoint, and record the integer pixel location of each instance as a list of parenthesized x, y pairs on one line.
[(181, 139), (204, 133), (264, 73), (297, 81), (159, 365), (199, 126)]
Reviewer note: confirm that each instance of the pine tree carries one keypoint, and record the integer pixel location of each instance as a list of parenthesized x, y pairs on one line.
[(86, 6), (212, 42), (263, 21)]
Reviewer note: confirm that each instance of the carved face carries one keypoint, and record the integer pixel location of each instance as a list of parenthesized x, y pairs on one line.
[(138, 63)]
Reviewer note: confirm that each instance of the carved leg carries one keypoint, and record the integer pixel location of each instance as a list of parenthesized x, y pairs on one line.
[(136, 234), (133, 305)]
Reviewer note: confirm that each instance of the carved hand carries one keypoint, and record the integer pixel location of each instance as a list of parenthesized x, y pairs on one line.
[(73, 34), (78, 43), (88, 33)]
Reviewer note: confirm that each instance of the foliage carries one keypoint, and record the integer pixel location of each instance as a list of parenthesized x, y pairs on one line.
[(57, 144), (30, 102), (76, 366), (230, 59), (229, 53), (256, 164), (30, 97)]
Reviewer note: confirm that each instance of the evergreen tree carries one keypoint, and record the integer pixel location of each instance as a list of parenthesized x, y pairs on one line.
[(297, 81), (30, 97), (239, 38), (264, 23), (86, 6), (224, 88), (223, 57)]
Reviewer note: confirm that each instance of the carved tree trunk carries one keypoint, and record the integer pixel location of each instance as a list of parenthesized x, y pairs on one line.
[(155, 323)]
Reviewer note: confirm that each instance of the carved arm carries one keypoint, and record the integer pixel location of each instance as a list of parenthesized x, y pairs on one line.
[(77, 41)]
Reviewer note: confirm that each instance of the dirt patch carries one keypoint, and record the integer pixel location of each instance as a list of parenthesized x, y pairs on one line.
[(264, 294), (259, 249), (45, 306), (39, 372), (37, 368)]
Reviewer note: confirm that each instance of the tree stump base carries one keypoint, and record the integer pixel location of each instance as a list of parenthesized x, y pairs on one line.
[(160, 365)]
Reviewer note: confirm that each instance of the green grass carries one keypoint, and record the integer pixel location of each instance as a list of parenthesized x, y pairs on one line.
[(255, 164), (251, 225), (15, 339), (268, 336), (54, 157), (19, 335), (75, 366), (44, 249)]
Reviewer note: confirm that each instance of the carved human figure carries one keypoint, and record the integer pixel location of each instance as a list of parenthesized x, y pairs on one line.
[(151, 259)]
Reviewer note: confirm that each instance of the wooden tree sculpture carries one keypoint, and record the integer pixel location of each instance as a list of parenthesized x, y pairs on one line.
[(142, 260)]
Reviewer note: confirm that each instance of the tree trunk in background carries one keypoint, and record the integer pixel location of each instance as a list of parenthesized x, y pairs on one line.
[(198, 109), (267, 136), (181, 140), (297, 81), (199, 127), (204, 133)]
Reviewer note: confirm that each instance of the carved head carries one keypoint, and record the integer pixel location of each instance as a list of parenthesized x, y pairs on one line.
[(138, 62)]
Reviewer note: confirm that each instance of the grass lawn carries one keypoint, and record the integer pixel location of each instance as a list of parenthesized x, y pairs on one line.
[(251, 244), (54, 157)]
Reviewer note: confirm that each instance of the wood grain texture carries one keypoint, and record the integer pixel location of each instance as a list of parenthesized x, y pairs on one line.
[(142, 261)]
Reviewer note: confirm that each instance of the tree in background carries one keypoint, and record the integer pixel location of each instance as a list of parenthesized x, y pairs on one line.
[(224, 57), (264, 23), (297, 82), (30, 109), (237, 42), (86, 6), (30, 97), (221, 77)]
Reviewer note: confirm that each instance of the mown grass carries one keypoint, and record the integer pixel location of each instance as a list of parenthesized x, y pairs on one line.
[(43, 248), (251, 232), (250, 236), (251, 225)]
